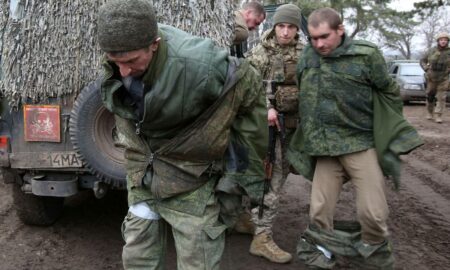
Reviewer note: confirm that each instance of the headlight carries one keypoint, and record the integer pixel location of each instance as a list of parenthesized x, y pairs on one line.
[(408, 86)]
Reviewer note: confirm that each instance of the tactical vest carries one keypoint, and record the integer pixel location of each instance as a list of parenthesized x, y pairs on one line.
[(283, 68), (439, 61)]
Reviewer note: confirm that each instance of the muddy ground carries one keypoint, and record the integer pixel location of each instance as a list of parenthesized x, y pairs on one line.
[(88, 236)]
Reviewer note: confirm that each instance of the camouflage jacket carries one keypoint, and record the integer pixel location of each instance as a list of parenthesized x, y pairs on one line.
[(196, 106), (336, 100), (349, 103), (276, 62), (436, 63)]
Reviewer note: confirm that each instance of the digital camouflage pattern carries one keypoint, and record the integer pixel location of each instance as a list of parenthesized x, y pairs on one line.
[(336, 97), (200, 239), (188, 124), (277, 63), (269, 53), (344, 240)]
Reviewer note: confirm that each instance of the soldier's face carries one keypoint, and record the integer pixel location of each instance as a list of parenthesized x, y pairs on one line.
[(285, 33), (134, 63), (443, 42), (253, 20), (324, 39)]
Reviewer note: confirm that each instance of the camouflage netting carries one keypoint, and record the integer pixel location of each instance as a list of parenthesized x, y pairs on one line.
[(50, 48)]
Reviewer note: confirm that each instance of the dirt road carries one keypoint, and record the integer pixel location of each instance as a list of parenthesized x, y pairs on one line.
[(88, 237)]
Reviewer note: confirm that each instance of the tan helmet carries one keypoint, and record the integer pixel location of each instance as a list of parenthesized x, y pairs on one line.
[(442, 35)]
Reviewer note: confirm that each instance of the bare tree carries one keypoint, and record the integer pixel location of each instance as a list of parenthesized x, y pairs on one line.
[(433, 24)]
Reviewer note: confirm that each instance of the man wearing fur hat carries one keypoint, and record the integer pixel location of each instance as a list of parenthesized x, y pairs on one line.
[(276, 58), (189, 118)]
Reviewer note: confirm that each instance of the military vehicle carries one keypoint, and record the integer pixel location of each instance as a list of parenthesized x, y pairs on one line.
[(56, 138)]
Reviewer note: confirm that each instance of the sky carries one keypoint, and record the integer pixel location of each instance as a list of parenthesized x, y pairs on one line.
[(403, 5)]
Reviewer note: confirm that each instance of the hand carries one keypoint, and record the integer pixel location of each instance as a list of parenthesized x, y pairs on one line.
[(272, 118)]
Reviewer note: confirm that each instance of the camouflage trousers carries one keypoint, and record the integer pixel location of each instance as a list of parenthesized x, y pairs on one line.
[(436, 95), (272, 197), (318, 248), (199, 240)]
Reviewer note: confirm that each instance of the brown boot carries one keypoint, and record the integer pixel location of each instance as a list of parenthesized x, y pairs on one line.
[(438, 119), (244, 224), (264, 246), (429, 116)]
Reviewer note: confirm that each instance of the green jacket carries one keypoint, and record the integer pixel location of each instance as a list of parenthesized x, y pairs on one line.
[(198, 103), (349, 103)]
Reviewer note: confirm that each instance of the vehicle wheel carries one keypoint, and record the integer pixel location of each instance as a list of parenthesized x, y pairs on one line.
[(92, 132), (36, 210)]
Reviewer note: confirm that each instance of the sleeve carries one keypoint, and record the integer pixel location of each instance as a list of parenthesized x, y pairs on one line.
[(381, 81), (448, 63), (240, 30), (259, 60), (249, 137), (424, 62)]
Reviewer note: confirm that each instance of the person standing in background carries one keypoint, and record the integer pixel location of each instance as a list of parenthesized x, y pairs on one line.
[(436, 64)]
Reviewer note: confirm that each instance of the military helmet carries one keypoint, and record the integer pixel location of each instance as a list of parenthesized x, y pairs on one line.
[(443, 35)]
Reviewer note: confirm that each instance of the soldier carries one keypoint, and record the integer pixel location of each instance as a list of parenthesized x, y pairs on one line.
[(276, 58), (179, 103), (436, 64), (350, 111), (247, 19)]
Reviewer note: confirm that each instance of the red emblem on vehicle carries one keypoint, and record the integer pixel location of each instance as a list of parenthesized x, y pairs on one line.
[(42, 123)]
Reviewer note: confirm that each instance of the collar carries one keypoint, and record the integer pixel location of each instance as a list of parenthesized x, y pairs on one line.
[(157, 63), (342, 48)]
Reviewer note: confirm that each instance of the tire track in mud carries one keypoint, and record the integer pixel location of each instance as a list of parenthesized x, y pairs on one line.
[(414, 182), (419, 223), (436, 179)]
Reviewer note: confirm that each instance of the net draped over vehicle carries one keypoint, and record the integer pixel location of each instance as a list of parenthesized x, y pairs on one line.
[(50, 48)]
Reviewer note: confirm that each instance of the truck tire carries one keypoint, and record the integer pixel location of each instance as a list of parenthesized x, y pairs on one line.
[(36, 210), (92, 132)]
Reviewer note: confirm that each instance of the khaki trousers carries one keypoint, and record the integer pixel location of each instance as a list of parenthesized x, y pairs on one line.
[(363, 170)]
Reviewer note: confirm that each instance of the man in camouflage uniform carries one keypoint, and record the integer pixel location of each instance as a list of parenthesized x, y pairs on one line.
[(189, 117), (248, 18), (436, 64), (339, 81), (276, 58)]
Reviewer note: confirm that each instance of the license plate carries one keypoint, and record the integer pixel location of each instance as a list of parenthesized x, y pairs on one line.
[(61, 160), (25, 160)]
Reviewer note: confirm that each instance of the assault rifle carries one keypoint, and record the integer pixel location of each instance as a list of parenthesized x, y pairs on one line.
[(268, 166), (270, 157)]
